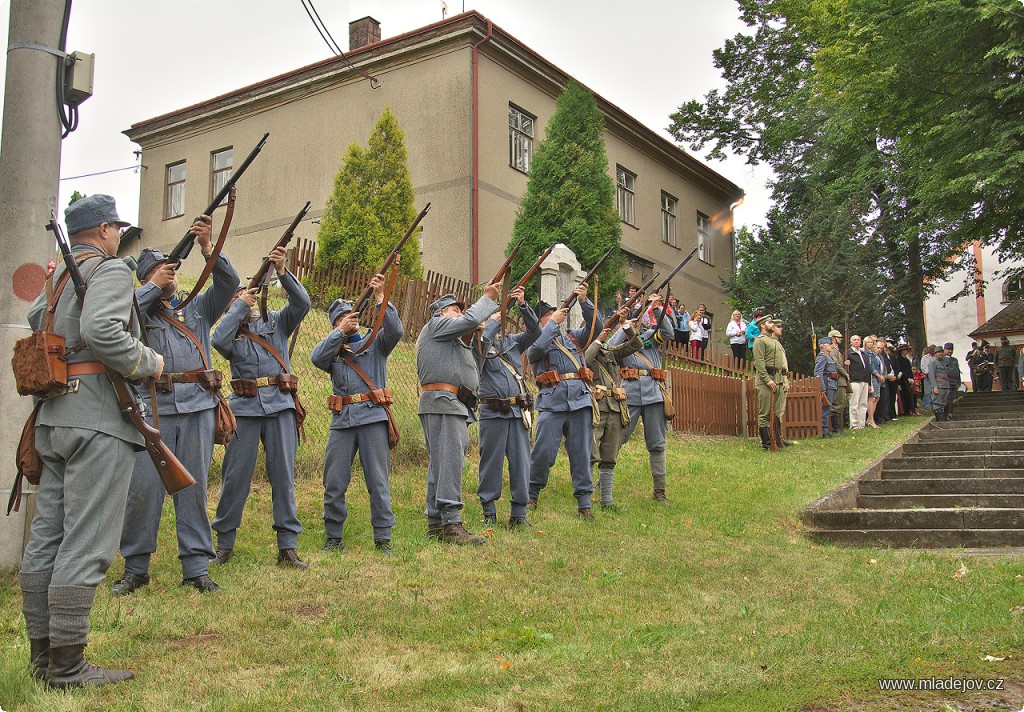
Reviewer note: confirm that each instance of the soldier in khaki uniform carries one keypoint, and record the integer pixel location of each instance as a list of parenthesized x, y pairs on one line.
[(841, 406), (770, 369)]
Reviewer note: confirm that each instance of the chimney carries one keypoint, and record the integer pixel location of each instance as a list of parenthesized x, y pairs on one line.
[(362, 32)]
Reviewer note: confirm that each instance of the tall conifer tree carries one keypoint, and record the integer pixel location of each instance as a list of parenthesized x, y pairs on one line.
[(571, 196)]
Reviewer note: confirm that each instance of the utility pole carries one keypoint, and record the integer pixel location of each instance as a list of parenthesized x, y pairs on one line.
[(29, 176)]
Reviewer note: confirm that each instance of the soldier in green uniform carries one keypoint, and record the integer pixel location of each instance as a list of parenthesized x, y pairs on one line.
[(841, 406), (770, 367)]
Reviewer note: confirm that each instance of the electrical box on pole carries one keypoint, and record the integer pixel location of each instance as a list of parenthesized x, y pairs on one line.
[(78, 78)]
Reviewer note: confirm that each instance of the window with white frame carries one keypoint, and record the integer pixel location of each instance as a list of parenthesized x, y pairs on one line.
[(625, 195), (174, 202), (520, 138), (704, 238), (668, 219), (221, 163), (1013, 288)]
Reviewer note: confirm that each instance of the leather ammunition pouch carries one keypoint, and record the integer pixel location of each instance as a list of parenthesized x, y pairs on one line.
[(551, 378), (225, 424), (771, 370), (209, 380), (629, 374), (619, 394), (659, 374), (248, 387), (467, 397), (379, 396), (244, 387)]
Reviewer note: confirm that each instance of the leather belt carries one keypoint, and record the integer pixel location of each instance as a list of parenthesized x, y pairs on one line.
[(185, 377), (336, 403), (599, 391), (261, 382), (440, 387), (86, 368)]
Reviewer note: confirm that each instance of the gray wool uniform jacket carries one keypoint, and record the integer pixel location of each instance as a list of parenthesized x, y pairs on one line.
[(102, 325), (645, 390), (496, 380), (544, 355), (442, 357), (179, 353), (250, 360)]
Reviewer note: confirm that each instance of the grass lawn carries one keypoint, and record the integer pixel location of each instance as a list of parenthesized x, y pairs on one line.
[(716, 601)]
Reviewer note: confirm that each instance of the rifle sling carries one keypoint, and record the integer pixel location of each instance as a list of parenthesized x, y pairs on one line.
[(245, 331), (351, 363), (215, 254), (383, 307)]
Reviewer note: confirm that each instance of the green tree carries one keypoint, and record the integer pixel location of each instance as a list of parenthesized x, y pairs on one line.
[(570, 197), (372, 204), (75, 197)]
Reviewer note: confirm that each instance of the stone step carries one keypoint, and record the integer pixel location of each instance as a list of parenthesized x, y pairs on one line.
[(931, 501), (953, 473), (949, 518), (920, 538), (987, 415), (988, 445), (944, 485), (961, 434), (949, 461), (979, 423)]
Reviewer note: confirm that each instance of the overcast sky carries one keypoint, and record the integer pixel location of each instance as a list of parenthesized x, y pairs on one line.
[(645, 56)]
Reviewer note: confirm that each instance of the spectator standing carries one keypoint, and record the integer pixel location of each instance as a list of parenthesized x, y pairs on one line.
[(1006, 364), (698, 336), (737, 333), (682, 335), (877, 378), (753, 331), (926, 359), (859, 366)]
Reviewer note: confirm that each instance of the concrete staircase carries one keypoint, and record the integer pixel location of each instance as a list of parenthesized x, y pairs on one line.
[(956, 483)]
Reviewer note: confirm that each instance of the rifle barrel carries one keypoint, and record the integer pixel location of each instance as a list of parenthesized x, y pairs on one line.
[(571, 299), (360, 303)]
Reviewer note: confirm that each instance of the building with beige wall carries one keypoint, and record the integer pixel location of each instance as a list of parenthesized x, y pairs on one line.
[(473, 101)]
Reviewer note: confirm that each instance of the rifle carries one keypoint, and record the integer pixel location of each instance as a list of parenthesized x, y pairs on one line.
[(360, 303), (500, 274), (571, 299), (673, 273), (610, 321), (261, 278), (184, 246), (173, 474), (527, 276)]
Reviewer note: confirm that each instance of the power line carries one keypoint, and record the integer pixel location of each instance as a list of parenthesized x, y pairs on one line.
[(100, 173), (333, 46)]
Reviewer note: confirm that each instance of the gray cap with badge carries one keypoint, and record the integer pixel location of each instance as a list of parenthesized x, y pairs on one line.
[(92, 211)]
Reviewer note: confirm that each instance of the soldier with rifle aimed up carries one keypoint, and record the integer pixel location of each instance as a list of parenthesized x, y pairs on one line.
[(87, 447), (265, 402)]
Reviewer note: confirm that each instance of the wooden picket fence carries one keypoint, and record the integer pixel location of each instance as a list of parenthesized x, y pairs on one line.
[(713, 395)]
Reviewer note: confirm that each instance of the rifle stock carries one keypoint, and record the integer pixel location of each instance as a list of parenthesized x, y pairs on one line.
[(571, 299), (174, 475), (360, 303), (676, 270), (527, 276), (630, 302), (184, 246), (260, 276), (500, 274)]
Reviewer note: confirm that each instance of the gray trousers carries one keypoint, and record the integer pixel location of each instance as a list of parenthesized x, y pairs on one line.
[(79, 506), (940, 401), (190, 438), (371, 442), (578, 428), (501, 438), (447, 440), (279, 438), (653, 415)]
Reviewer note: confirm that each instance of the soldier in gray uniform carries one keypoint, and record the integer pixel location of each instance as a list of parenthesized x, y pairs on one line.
[(359, 423), (187, 401), (506, 409), (826, 369), (264, 407), (611, 401), (937, 382), (87, 450), (565, 406), (644, 378), (955, 378), (449, 376)]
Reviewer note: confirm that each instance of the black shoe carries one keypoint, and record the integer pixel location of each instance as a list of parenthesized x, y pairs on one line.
[(128, 583), (334, 545), (765, 434), (39, 657), (203, 584), (69, 668), (288, 557), (519, 523), (384, 547), (490, 520), (222, 556)]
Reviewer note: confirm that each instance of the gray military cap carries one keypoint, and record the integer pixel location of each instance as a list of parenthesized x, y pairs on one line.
[(148, 260), (339, 308), (91, 211), (444, 302)]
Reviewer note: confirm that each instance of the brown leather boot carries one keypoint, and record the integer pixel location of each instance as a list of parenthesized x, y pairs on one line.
[(222, 556), (288, 557), (586, 514), (659, 496), (532, 504), (68, 668), (39, 657), (455, 533)]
